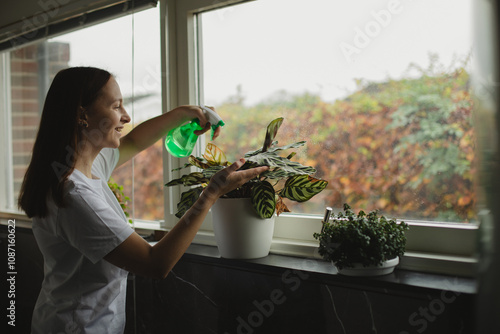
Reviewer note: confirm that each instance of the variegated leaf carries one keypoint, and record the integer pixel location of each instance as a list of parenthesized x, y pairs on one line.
[(175, 182), (211, 171), (263, 199), (286, 147), (272, 130), (179, 168), (302, 188), (276, 174), (214, 155), (273, 148), (280, 167), (193, 161), (188, 198), (189, 180), (252, 153), (197, 162)]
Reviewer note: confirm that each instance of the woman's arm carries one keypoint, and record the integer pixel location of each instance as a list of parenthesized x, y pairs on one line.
[(139, 257), (150, 131)]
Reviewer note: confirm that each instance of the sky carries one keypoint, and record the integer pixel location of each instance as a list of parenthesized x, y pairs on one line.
[(267, 46), (324, 46)]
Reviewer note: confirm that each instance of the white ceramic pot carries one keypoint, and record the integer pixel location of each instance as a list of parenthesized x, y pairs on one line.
[(240, 233), (385, 268)]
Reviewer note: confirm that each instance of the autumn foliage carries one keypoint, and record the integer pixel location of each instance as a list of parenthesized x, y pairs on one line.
[(404, 146)]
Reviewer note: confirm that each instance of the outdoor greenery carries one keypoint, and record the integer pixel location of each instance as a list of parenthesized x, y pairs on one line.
[(120, 196), (404, 146), (363, 238), (266, 200)]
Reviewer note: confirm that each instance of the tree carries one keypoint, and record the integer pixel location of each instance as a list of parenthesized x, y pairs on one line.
[(403, 146)]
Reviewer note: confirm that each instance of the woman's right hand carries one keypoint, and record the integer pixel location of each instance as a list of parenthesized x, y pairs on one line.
[(231, 178), (188, 112)]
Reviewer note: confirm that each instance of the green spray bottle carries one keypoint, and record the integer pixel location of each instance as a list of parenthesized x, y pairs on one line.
[(181, 140)]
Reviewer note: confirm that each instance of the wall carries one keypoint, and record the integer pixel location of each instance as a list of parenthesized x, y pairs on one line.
[(213, 295), (206, 294), (32, 69)]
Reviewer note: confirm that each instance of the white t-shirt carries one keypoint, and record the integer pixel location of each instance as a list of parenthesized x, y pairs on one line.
[(81, 292)]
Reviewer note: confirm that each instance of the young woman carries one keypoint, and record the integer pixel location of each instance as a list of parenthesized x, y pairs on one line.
[(87, 244)]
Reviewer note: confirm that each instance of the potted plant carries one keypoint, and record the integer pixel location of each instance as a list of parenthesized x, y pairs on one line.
[(120, 196), (362, 244), (244, 227)]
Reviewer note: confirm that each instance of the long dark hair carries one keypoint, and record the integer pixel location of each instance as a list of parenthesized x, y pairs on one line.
[(58, 137)]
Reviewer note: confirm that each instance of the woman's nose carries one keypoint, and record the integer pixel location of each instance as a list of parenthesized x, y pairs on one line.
[(125, 117)]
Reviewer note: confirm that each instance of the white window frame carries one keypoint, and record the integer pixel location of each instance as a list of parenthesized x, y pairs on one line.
[(7, 174), (431, 247)]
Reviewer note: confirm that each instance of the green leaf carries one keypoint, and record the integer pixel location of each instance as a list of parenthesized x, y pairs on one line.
[(182, 167), (197, 162), (302, 188), (252, 153), (188, 198), (211, 171), (274, 149), (282, 166), (264, 199), (272, 131), (286, 147), (189, 180)]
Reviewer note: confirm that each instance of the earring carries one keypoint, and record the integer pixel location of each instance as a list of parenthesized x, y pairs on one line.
[(82, 122), (83, 119)]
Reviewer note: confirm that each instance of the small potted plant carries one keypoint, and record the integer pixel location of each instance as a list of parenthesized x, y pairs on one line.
[(362, 244), (120, 196), (243, 219)]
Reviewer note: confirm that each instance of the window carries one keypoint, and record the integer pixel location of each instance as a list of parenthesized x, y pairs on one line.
[(129, 48), (381, 96)]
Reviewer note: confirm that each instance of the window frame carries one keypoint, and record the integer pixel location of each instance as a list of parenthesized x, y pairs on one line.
[(6, 151), (181, 72), (293, 232)]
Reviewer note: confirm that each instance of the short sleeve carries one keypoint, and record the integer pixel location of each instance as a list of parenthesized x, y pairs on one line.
[(105, 162), (90, 225)]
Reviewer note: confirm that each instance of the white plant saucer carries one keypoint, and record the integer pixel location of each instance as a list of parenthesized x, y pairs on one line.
[(358, 270)]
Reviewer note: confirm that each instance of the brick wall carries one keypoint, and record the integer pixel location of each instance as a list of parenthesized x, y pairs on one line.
[(32, 70)]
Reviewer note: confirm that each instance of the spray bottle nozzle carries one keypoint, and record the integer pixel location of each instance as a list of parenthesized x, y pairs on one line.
[(214, 119)]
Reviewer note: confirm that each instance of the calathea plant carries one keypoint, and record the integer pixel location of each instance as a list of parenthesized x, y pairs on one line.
[(266, 200)]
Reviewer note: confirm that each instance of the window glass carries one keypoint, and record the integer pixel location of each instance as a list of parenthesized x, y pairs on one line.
[(129, 48), (379, 89)]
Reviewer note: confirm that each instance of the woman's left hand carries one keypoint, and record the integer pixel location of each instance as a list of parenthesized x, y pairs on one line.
[(231, 178)]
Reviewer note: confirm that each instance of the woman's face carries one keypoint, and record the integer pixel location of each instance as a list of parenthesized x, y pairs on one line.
[(106, 117)]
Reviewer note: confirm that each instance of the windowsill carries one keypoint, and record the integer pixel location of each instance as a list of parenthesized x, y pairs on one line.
[(415, 260), (323, 271), (413, 270)]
